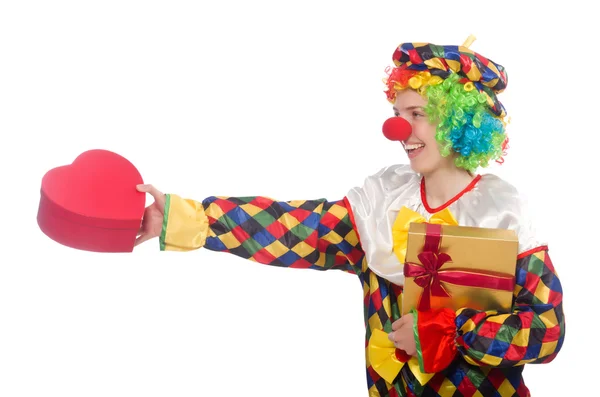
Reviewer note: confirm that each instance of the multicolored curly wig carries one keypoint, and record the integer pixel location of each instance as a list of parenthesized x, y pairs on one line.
[(460, 87)]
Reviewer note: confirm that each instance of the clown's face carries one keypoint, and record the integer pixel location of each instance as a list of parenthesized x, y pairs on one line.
[(421, 147)]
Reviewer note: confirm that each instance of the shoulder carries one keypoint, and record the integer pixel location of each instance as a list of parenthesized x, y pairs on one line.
[(383, 185), (507, 207), (499, 192), (391, 177), (502, 196)]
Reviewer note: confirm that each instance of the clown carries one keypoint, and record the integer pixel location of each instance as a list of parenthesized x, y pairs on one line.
[(445, 99)]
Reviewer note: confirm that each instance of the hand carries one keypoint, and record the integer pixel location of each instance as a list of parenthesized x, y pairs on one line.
[(403, 335), (153, 215)]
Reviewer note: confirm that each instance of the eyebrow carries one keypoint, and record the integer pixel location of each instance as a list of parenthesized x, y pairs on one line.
[(410, 108)]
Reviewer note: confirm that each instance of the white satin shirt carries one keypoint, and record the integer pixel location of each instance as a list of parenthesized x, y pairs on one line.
[(491, 203)]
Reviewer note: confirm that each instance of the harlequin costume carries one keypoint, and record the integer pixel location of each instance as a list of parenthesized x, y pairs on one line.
[(462, 353)]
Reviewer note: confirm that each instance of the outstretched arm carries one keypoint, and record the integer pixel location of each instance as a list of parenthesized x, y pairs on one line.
[(316, 234)]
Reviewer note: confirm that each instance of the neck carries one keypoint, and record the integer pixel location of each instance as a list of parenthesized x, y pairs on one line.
[(443, 184)]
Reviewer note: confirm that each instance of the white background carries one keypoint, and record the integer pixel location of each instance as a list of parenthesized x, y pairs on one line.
[(282, 99)]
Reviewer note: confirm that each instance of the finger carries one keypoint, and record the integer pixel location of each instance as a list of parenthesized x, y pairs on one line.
[(141, 229), (148, 188), (144, 187), (158, 196), (142, 238), (399, 345), (392, 337), (397, 341), (396, 325)]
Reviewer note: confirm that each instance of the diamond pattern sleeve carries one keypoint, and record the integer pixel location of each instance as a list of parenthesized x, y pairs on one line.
[(533, 332), (316, 234)]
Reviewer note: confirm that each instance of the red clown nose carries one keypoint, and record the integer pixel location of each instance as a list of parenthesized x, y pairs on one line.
[(396, 129)]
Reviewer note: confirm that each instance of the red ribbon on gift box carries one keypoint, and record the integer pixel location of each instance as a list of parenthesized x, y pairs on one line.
[(430, 276)]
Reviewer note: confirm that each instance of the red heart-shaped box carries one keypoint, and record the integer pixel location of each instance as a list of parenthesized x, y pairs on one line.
[(92, 204)]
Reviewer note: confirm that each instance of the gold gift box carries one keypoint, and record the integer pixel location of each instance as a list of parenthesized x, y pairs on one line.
[(473, 250)]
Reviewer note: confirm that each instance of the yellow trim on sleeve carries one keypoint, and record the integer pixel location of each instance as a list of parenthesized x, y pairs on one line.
[(185, 225)]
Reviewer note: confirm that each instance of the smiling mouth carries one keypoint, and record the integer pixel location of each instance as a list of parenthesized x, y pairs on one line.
[(412, 147)]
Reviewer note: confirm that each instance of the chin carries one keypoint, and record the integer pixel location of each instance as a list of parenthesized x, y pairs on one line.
[(421, 168), (425, 165)]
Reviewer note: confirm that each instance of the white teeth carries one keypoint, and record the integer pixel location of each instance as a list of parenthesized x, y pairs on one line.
[(413, 146)]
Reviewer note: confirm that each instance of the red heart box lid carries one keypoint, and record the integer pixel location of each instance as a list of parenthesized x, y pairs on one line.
[(92, 204)]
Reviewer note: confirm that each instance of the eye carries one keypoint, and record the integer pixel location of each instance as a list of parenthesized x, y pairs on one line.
[(418, 114), (397, 114)]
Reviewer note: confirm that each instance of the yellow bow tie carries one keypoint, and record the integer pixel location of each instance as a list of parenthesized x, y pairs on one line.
[(407, 216), (382, 356)]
